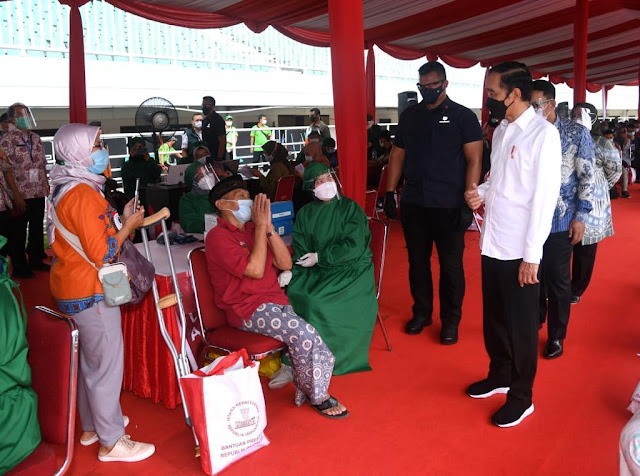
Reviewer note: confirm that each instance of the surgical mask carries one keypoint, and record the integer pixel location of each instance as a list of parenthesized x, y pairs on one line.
[(326, 191), (23, 123), (206, 182), (308, 158), (198, 124), (498, 109), (540, 112), (264, 122), (202, 160), (243, 213), (430, 96), (100, 161), (229, 123)]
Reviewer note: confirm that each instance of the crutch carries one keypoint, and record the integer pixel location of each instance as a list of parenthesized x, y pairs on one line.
[(180, 359)]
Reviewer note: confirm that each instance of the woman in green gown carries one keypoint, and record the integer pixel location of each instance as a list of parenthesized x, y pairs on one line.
[(333, 284)]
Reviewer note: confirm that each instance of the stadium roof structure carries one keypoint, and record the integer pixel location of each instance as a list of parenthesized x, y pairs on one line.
[(586, 44)]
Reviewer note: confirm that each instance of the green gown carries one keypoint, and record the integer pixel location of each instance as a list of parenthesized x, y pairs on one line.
[(19, 429), (337, 295)]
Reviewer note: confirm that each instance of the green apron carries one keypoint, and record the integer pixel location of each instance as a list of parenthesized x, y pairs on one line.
[(337, 295), (19, 429)]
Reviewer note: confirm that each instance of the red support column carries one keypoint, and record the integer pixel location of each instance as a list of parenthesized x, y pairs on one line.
[(580, 36), (77, 82), (347, 69), (370, 74)]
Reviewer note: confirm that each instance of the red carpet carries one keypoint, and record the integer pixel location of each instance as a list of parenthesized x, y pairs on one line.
[(410, 414)]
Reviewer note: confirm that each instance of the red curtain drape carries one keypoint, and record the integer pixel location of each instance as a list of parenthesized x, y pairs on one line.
[(371, 82), (77, 81), (347, 69), (580, 32)]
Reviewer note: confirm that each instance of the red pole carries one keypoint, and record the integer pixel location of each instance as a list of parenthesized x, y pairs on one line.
[(580, 36), (370, 74), (77, 82), (347, 69)]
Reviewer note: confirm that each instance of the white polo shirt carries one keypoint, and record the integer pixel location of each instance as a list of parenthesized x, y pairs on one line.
[(523, 187)]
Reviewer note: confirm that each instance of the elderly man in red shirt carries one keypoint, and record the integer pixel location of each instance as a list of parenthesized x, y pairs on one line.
[(26, 175), (243, 252)]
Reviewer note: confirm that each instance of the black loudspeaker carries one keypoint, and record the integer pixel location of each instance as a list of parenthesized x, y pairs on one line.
[(406, 99)]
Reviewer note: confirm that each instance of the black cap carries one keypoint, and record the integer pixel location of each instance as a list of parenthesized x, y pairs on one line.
[(224, 186)]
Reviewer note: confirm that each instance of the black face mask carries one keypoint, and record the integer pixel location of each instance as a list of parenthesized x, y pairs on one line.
[(497, 109), (206, 110), (431, 96), (313, 118)]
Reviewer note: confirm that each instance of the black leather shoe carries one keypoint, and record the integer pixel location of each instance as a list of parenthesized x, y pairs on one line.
[(449, 336), (416, 324), (575, 299), (40, 266), (553, 349)]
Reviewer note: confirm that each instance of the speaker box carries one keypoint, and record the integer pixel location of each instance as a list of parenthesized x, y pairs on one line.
[(406, 99)]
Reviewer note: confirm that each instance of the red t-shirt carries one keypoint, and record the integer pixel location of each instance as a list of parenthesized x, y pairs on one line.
[(228, 249)]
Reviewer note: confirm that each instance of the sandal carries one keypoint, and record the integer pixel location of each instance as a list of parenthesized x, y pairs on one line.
[(326, 405)]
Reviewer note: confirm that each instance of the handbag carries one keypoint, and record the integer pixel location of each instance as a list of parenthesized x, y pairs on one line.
[(113, 277), (141, 271)]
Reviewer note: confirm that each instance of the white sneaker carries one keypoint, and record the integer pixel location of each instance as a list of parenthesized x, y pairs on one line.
[(128, 451), (282, 377), (94, 438)]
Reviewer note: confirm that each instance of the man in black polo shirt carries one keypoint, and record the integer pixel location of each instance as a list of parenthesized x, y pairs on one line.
[(213, 130), (438, 147)]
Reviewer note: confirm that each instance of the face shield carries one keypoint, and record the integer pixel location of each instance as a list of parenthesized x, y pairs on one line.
[(585, 114), (23, 117)]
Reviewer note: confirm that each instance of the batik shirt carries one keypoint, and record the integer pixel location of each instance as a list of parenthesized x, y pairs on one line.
[(577, 175), (26, 161)]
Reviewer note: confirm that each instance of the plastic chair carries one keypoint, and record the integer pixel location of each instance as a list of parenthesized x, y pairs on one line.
[(370, 201), (379, 233), (217, 333), (284, 191), (53, 358)]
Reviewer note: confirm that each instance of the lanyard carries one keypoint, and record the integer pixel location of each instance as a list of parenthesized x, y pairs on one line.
[(29, 146)]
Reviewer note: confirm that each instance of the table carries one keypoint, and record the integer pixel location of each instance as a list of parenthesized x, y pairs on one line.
[(149, 370)]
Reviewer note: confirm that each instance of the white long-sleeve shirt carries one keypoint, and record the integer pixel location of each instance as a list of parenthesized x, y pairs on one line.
[(523, 187)]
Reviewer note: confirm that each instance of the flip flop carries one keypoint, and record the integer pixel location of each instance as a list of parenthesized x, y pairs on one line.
[(327, 404)]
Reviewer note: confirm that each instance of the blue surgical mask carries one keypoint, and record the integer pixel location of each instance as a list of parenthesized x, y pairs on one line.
[(100, 161), (243, 213)]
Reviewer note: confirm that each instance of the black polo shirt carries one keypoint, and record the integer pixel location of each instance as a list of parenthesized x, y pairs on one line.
[(211, 130), (435, 166)]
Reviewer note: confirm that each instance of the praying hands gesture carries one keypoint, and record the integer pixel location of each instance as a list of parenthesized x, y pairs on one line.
[(261, 212)]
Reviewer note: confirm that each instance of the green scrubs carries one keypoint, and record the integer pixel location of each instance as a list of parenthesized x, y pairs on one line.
[(19, 429), (192, 210), (337, 295)]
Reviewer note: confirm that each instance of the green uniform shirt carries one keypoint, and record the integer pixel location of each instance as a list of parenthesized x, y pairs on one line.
[(260, 137)]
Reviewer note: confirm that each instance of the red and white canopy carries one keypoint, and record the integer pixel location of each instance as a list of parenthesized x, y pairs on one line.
[(462, 33)]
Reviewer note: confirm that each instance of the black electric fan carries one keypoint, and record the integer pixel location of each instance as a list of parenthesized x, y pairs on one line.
[(158, 116)]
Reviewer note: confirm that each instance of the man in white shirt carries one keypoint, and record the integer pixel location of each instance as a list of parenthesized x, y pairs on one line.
[(520, 197)]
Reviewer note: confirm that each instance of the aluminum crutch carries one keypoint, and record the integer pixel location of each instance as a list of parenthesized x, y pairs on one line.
[(180, 359)]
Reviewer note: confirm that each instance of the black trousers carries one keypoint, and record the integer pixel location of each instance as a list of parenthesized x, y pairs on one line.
[(510, 323), (555, 284), (584, 259), (258, 157), (5, 223), (422, 228), (33, 218)]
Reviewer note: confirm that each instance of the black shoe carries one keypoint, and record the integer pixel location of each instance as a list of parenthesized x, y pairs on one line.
[(485, 389), (40, 266), (416, 324), (553, 349), (449, 336), (511, 414), (625, 195), (23, 273), (575, 299)]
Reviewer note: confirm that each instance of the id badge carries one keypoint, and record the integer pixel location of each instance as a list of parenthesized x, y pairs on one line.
[(34, 175)]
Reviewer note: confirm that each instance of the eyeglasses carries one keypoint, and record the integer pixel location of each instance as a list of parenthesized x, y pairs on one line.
[(433, 85), (539, 104)]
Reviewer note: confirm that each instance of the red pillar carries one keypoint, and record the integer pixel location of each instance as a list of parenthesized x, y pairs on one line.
[(347, 70), (580, 36), (370, 74), (77, 83)]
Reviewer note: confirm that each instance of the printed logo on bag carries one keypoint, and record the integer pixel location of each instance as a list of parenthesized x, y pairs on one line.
[(243, 418)]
